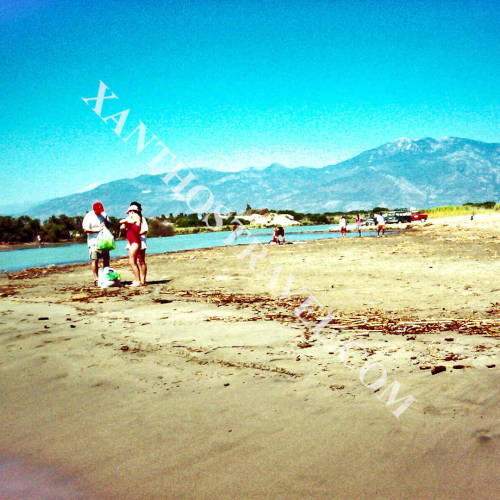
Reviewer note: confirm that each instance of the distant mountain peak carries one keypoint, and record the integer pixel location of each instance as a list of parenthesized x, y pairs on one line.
[(423, 173)]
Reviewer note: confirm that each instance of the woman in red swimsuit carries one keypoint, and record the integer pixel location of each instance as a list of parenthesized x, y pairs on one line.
[(132, 224)]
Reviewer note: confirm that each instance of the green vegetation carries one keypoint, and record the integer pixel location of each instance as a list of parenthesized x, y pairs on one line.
[(24, 229), (64, 228), (465, 209)]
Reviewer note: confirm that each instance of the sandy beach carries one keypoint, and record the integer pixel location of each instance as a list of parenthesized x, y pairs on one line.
[(261, 372)]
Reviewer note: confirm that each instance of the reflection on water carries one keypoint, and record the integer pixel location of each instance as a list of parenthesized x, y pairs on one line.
[(14, 260)]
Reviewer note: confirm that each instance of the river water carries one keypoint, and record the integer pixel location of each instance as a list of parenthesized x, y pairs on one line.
[(15, 260)]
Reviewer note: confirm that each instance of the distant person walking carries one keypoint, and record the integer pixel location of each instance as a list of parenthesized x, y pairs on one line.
[(132, 224), (359, 221), (380, 224), (343, 227), (141, 257), (95, 220), (39, 241)]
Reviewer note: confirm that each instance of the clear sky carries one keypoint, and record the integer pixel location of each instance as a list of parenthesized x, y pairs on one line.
[(228, 84)]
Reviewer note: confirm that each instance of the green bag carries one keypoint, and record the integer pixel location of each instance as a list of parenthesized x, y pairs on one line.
[(105, 240)]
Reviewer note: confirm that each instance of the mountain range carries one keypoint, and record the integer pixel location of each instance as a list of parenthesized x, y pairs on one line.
[(419, 173)]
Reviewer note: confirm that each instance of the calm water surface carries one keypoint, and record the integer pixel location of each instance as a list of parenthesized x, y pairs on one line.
[(15, 260)]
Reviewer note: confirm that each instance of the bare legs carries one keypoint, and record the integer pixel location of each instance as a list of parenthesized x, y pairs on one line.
[(94, 265), (133, 253), (142, 265)]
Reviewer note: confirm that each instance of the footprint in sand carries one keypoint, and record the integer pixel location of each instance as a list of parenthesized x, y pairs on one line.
[(482, 435)]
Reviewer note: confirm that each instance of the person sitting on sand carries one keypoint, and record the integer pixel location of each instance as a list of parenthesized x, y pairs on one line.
[(343, 227), (132, 224), (94, 221), (380, 224), (279, 231)]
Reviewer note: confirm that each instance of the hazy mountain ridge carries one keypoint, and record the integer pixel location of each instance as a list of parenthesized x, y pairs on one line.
[(422, 173)]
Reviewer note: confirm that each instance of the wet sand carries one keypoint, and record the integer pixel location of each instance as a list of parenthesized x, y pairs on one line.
[(216, 381)]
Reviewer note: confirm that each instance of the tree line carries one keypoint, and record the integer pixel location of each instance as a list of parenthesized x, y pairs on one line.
[(56, 228)]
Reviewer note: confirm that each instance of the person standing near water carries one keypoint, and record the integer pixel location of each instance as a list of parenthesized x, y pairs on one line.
[(132, 225), (343, 227), (359, 221), (380, 224), (141, 257), (95, 220)]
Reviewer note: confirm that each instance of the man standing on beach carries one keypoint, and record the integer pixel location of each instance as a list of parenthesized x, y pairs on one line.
[(380, 224), (343, 226), (93, 222)]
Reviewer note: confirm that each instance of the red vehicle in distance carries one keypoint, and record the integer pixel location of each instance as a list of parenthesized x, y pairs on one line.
[(418, 216)]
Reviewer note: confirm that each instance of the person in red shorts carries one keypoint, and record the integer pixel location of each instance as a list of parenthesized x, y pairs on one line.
[(132, 225), (380, 224), (343, 227)]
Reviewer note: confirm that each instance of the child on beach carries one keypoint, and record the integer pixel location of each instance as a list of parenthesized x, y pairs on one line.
[(132, 224)]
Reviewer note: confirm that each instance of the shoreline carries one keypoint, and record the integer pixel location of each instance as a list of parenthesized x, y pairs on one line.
[(13, 272)]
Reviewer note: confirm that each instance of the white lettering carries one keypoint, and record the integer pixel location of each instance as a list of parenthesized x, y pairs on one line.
[(325, 321), (379, 382), (141, 138), (217, 216), (184, 182), (307, 304), (394, 388), (193, 192), (249, 249), (101, 95), (161, 155), (120, 122)]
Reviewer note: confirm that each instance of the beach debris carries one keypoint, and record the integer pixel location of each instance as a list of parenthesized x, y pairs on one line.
[(162, 301), (458, 367), (6, 291), (337, 387), (43, 318), (226, 384), (304, 345), (452, 357), (438, 369), (284, 310), (425, 367), (449, 339), (490, 366), (124, 348)]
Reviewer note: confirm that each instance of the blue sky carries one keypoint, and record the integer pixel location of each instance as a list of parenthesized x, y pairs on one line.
[(231, 84)]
